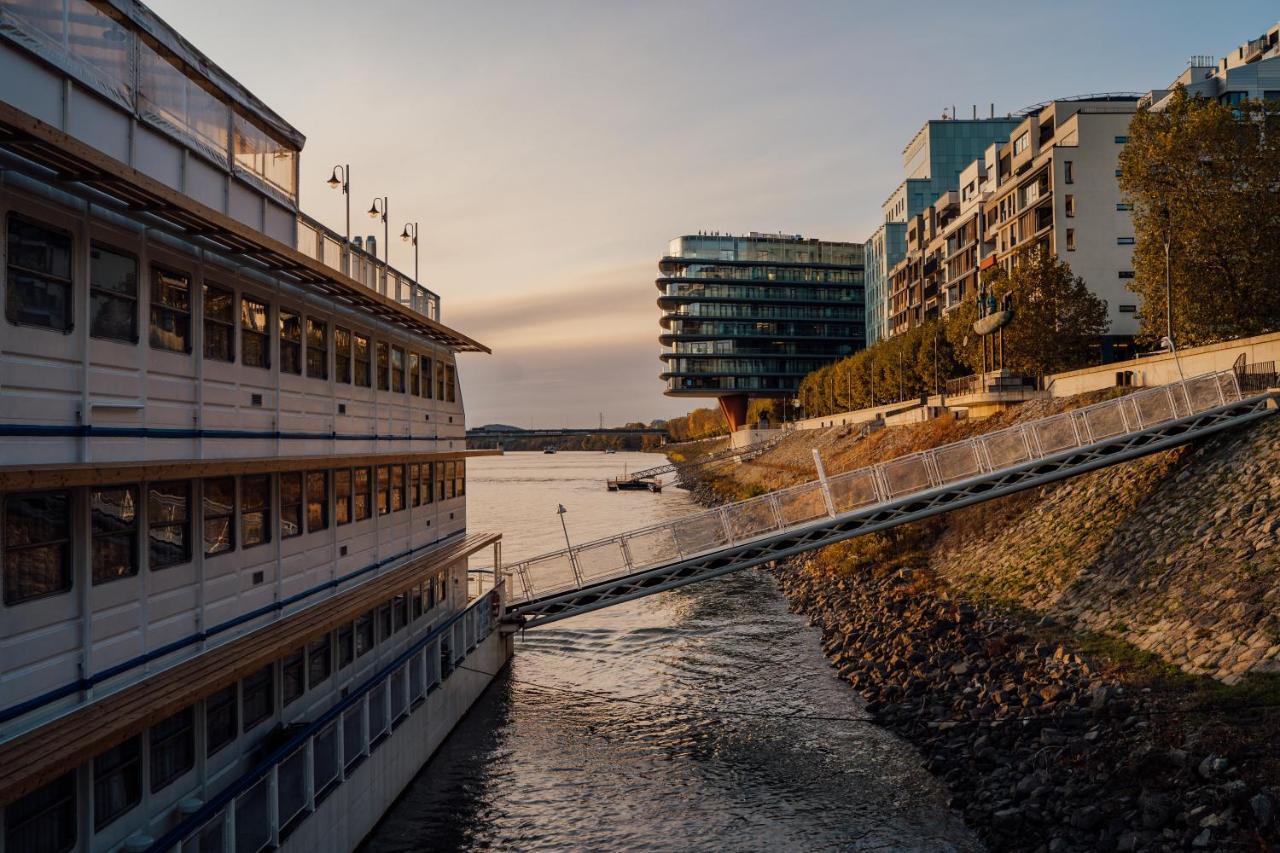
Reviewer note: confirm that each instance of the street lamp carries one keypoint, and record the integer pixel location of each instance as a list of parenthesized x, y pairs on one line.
[(345, 183), (1168, 292), (378, 210), (410, 234), (1167, 343)]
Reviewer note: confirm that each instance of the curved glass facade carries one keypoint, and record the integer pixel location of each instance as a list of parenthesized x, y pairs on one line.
[(754, 315)]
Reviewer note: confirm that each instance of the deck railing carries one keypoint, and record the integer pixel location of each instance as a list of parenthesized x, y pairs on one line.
[(737, 523)]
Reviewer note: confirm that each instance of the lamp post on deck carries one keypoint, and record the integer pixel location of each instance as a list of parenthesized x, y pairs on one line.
[(410, 235), (345, 184), (378, 210)]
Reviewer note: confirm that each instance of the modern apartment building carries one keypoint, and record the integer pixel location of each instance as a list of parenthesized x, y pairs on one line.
[(931, 162), (1251, 71), (750, 316)]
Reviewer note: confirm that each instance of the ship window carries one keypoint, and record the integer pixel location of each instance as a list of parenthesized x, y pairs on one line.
[(429, 592), (342, 358), (400, 611), (255, 510), (397, 370), (429, 481), (117, 781), (397, 488), (113, 295), (317, 500), (39, 276), (290, 505), (290, 342), (43, 821), (317, 349), (173, 748), (255, 339), (342, 495), (169, 523), (114, 514), (258, 691), (384, 622), (440, 481), (37, 545), (219, 515), (219, 323), (384, 366), (362, 360), (364, 634), (220, 719), (384, 489), (363, 493), (450, 383), (415, 375), (415, 485), (319, 661), (346, 645), (415, 603), (451, 482), (291, 677), (170, 311), (460, 478), (426, 377), (440, 381)]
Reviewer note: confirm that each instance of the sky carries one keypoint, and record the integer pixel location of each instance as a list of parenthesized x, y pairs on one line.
[(550, 150)]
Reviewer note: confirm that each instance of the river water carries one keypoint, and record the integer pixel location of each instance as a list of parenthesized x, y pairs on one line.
[(704, 718)]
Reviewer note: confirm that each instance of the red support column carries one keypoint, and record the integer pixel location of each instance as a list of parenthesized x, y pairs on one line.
[(734, 408)]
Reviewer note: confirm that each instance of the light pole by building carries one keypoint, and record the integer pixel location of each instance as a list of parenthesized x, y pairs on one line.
[(410, 235), (345, 184), (378, 210)]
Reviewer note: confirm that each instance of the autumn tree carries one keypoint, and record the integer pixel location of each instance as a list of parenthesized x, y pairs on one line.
[(1204, 176)]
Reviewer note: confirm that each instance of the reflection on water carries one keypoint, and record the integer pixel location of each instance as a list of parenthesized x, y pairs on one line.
[(704, 718)]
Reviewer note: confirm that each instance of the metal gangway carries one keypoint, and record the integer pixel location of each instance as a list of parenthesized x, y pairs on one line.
[(831, 509), (741, 454)]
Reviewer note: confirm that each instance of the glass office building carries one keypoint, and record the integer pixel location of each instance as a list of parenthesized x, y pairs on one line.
[(750, 316)]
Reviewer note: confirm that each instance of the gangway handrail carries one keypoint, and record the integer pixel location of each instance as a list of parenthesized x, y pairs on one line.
[(1098, 435), (744, 452)]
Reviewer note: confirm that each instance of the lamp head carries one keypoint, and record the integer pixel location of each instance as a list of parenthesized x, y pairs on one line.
[(404, 235), (373, 210), (334, 181)]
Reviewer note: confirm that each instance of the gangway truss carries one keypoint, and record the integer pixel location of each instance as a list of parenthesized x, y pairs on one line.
[(740, 454), (779, 524)]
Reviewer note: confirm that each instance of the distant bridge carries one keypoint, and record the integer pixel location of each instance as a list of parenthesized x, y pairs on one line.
[(503, 434)]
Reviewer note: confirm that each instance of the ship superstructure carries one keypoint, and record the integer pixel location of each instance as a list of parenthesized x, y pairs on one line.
[(232, 468)]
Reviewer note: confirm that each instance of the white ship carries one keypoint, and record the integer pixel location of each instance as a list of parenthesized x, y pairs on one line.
[(236, 613)]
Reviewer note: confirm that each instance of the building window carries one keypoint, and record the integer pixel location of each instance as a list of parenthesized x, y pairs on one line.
[(255, 338), (415, 375), (1069, 204), (219, 515), (1123, 206), (39, 276), (220, 719), (384, 489), (290, 504), (1071, 239), (364, 634), (1020, 144), (219, 323), (1128, 309), (255, 510), (117, 781), (173, 748), (113, 295), (114, 520), (346, 645), (363, 493), (37, 545), (1124, 241), (1068, 172), (259, 700), (317, 501), (317, 349), (362, 360), (319, 661), (170, 311), (292, 677), (384, 366), (415, 485), (1126, 273), (169, 523), (397, 488), (43, 821), (1121, 140), (397, 370), (342, 496), (426, 377), (290, 342), (342, 357), (450, 383)]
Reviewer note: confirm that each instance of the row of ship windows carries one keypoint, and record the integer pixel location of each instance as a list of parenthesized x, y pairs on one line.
[(45, 820), (37, 526), (40, 293)]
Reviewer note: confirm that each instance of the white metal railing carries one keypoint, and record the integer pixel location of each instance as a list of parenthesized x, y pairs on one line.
[(734, 524)]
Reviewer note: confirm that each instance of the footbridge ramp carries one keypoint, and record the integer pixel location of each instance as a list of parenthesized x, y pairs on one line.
[(832, 509)]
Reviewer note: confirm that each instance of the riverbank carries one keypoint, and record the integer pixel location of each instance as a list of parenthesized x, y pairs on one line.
[(1087, 666)]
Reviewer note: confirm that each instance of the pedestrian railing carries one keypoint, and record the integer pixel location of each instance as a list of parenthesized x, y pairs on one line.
[(734, 524)]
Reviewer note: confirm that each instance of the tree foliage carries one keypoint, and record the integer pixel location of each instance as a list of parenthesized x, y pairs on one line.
[(699, 423), (1206, 175)]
